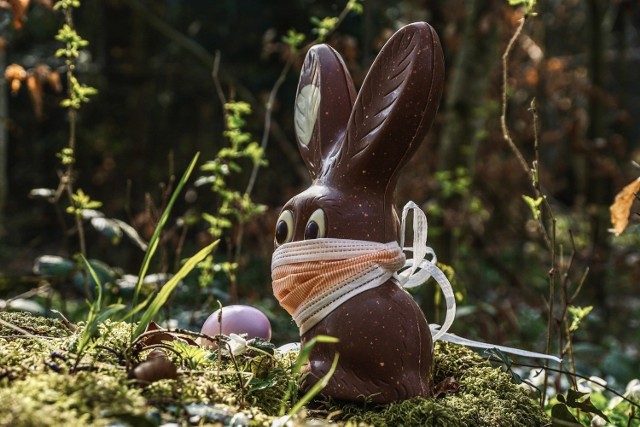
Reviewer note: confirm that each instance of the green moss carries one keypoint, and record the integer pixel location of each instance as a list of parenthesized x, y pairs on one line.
[(38, 386), (35, 325), (52, 399), (416, 411), (486, 397)]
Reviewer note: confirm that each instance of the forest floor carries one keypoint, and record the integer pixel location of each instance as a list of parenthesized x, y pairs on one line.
[(48, 377)]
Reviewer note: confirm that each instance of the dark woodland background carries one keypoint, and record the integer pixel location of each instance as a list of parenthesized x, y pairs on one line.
[(151, 62)]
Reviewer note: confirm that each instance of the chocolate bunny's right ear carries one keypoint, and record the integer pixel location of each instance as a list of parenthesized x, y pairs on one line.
[(324, 100)]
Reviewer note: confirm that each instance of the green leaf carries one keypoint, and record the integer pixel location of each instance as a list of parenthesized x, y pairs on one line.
[(305, 351), (95, 316), (534, 205), (155, 238), (577, 315), (317, 388), (52, 265), (355, 6), (294, 39), (303, 357), (562, 417), (528, 4), (259, 384), (585, 405), (164, 294)]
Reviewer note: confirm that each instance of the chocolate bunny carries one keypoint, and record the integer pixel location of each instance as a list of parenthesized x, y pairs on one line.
[(354, 148)]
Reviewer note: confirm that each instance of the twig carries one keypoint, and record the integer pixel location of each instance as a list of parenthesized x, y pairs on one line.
[(537, 187), (66, 180), (550, 320), (215, 76), (28, 294), (534, 175), (580, 284), (503, 117), (24, 332), (267, 120), (566, 302)]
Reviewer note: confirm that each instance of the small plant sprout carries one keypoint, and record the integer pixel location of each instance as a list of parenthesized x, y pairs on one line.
[(81, 202), (534, 205)]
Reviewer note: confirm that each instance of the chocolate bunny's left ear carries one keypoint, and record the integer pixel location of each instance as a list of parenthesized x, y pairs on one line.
[(396, 105), (324, 100)]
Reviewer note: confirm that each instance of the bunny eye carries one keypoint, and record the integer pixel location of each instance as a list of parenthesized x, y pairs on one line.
[(284, 228), (316, 227)]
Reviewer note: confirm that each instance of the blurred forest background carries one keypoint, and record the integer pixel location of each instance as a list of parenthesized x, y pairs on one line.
[(157, 105)]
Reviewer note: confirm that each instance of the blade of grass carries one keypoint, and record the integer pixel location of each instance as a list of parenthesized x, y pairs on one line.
[(305, 351), (95, 317), (303, 357), (317, 388), (162, 296), (155, 238), (97, 303)]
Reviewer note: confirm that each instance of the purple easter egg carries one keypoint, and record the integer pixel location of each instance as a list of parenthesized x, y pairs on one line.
[(238, 319)]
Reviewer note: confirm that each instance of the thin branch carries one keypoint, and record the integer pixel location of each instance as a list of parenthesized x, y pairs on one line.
[(550, 319), (580, 284), (24, 332), (267, 121), (503, 117), (216, 80), (30, 293)]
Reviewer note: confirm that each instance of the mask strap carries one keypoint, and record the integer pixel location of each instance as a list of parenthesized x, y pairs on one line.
[(417, 270)]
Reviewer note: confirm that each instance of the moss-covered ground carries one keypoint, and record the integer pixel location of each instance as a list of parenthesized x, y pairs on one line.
[(43, 383)]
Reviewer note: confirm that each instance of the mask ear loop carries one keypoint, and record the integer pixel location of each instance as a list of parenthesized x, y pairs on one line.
[(417, 270)]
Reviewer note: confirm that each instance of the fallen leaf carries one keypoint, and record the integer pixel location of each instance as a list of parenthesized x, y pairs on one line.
[(19, 8), (155, 334), (35, 90), (15, 74), (448, 385), (621, 206), (53, 78)]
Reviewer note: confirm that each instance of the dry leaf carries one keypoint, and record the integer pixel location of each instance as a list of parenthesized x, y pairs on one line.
[(19, 8), (35, 90), (161, 334), (621, 206), (53, 78), (15, 74), (449, 385)]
